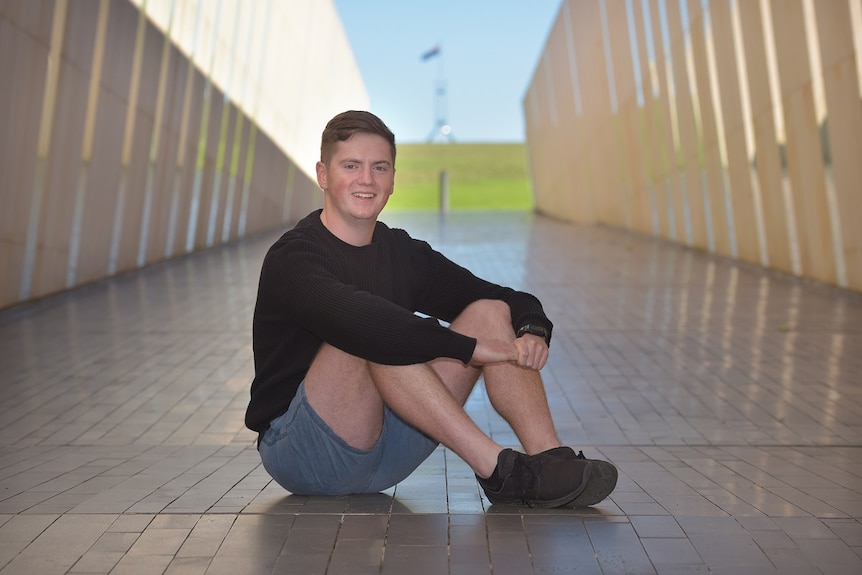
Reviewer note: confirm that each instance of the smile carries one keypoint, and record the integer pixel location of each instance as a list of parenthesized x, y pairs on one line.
[(363, 195)]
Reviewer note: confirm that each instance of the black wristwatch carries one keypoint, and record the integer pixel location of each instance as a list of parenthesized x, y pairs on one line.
[(535, 330)]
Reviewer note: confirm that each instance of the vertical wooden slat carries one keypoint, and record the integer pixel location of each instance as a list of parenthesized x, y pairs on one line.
[(128, 140), (555, 150), (689, 138), (204, 149), (715, 212), (586, 23), (566, 140), (740, 63), (24, 49), (229, 226), (581, 206), (841, 87), (804, 155), (768, 156), (632, 114), (172, 224), (715, 86), (736, 147), (155, 145), (666, 127), (821, 115), (650, 142), (43, 148), (215, 197), (63, 168), (83, 180), (244, 224), (622, 85)]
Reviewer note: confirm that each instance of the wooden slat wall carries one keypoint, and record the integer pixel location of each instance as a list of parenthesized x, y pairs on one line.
[(726, 125), (118, 153)]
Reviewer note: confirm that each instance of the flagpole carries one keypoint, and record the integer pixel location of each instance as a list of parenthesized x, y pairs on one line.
[(441, 125)]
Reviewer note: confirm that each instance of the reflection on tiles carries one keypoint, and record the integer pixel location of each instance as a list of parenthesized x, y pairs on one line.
[(728, 397)]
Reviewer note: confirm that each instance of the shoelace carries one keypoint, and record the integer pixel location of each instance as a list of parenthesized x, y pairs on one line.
[(527, 475)]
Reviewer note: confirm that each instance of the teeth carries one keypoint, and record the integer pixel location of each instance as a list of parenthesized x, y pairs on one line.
[(359, 195)]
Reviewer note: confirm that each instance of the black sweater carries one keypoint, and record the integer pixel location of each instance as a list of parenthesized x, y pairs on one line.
[(316, 288)]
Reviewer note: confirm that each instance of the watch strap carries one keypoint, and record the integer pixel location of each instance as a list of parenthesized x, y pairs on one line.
[(535, 330)]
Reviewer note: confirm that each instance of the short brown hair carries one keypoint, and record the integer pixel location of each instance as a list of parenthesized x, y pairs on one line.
[(343, 126)]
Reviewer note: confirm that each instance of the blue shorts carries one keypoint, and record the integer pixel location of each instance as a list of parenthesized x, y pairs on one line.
[(302, 453)]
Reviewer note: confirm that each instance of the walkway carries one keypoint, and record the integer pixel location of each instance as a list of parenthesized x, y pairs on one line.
[(730, 399)]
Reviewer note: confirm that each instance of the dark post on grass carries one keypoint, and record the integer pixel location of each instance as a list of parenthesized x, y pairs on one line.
[(444, 192)]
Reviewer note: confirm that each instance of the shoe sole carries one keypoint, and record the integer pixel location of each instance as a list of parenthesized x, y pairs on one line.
[(602, 481), (563, 501)]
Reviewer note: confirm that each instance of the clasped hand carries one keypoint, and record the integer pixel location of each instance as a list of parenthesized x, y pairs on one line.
[(529, 351)]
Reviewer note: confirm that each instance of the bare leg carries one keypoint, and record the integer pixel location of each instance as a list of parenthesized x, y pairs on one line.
[(516, 393), (349, 394), (418, 395), (340, 389)]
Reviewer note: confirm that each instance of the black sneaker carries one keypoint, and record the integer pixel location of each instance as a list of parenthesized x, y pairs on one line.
[(603, 475), (536, 481)]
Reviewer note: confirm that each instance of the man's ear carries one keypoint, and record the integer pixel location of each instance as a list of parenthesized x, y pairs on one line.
[(321, 175)]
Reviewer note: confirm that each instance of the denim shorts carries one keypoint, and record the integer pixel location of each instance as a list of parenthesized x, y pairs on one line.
[(302, 453)]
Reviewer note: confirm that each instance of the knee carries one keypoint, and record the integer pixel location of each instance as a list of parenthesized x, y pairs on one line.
[(494, 308), (486, 317)]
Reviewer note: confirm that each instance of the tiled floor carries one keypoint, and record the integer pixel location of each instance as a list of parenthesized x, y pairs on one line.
[(730, 399)]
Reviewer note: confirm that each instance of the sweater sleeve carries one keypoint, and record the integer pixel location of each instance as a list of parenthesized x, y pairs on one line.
[(447, 288), (303, 288)]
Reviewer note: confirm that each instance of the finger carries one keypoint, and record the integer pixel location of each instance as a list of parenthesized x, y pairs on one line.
[(543, 358), (536, 362), (535, 355)]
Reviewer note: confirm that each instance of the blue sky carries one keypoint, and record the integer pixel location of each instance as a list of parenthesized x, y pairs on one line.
[(489, 50)]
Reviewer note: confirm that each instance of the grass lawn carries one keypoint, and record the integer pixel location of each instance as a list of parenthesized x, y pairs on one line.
[(481, 177)]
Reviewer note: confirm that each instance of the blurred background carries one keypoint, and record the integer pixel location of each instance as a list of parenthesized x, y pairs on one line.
[(136, 131)]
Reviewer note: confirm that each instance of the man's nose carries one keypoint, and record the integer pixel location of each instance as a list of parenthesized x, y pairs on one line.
[(365, 175)]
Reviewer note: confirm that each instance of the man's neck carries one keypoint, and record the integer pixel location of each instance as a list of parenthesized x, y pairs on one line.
[(357, 235)]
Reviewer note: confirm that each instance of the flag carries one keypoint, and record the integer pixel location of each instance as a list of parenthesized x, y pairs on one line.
[(431, 53)]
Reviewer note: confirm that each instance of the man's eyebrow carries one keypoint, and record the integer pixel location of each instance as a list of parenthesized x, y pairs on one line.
[(355, 161)]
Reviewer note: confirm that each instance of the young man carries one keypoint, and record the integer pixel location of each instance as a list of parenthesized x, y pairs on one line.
[(353, 390)]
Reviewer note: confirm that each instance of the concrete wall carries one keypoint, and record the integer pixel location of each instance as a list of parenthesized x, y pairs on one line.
[(732, 126), (131, 134)]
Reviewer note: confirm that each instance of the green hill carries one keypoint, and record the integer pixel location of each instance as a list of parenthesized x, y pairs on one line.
[(481, 177)]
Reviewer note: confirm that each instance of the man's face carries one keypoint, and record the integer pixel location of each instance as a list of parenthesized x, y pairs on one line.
[(358, 179)]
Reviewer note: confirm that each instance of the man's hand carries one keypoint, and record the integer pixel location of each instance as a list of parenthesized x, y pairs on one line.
[(532, 351), (529, 351)]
